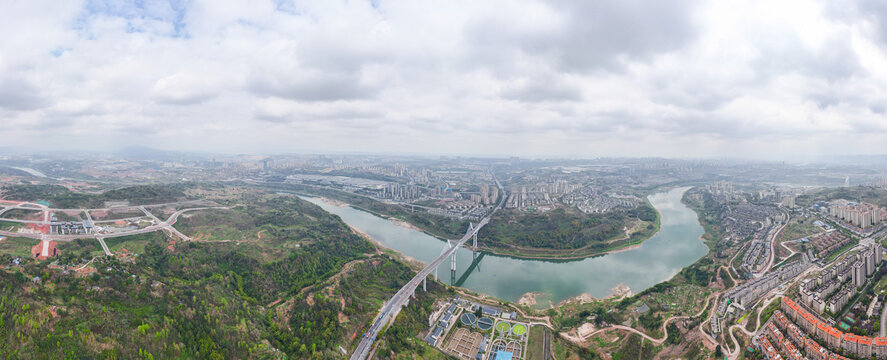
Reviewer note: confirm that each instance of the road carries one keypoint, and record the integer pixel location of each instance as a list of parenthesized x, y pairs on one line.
[(104, 246), (164, 225), (393, 306), (644, 335), (546, 345), (773, 235), (884, 322)]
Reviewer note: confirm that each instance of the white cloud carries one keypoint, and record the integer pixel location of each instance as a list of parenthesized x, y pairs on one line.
[(683, 78)]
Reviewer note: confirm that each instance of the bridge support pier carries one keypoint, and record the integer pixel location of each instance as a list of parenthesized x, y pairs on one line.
[(453, 262), (424, 283)]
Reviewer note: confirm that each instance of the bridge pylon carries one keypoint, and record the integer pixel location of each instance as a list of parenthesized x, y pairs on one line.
[(453, 262)]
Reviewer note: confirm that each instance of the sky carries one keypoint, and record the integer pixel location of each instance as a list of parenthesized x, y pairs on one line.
[(586, 78)]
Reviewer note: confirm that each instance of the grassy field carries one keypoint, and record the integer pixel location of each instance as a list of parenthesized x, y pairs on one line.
[(135, 243), (536, 343), (116, 214), (881, 286), (17, 246), (8, 225), (83, 248), (798, 228), (840, 251), (24, 214), (218, 224), (72, 216)]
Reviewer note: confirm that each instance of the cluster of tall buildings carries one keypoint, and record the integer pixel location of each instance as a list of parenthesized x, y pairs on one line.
[(833, 339), (860, 214), (746, 294), (400, 192), (539, 194), (835, 286), (487, 195), (722, 190)]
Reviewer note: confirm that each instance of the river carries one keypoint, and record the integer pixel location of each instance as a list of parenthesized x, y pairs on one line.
[(675, 246)]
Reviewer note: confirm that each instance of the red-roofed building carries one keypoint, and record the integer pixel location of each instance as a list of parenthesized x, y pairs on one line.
[(768, 350), (814, 350), (833, 338), (791, 351), (781, 319), (881, 347), (775, 334), (821, 330), (790, 308), (849, 343), (864, 347), (836, 357), (796, 334)]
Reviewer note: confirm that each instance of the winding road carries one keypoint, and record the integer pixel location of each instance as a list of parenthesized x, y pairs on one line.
[(642, 334), (163, 225)]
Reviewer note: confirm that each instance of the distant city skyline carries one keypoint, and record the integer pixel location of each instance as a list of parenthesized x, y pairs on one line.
[(795, 80)]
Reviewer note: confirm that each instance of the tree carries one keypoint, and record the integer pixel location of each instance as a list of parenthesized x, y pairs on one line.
[(479, 312), (718, 352)]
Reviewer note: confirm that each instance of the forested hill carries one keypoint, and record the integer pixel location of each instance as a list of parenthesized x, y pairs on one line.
[(566, 229), (61, 197), (301, 291)]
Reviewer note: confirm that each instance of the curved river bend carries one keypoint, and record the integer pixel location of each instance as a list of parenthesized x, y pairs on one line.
[(677, 245)]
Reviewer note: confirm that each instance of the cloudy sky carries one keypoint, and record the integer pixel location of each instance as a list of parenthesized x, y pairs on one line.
[(767, 79)]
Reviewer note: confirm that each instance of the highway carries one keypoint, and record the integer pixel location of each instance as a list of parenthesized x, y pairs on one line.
[(163, 225), (393, 306)]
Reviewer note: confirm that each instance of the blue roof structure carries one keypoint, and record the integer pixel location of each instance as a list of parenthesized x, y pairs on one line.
[(503, 355)]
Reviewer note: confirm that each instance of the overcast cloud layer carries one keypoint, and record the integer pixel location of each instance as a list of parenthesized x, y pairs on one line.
[(587, 78)]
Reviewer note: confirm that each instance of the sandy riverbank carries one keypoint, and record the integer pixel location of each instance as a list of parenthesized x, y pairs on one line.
[(560, 257), (529, 299), (410, 261), (333, 202), (405, 224)]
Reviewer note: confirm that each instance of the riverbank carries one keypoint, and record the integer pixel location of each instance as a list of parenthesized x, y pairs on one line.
[(520, 252), (577, 254), (411, 262), (618, 244), (507, 277)]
